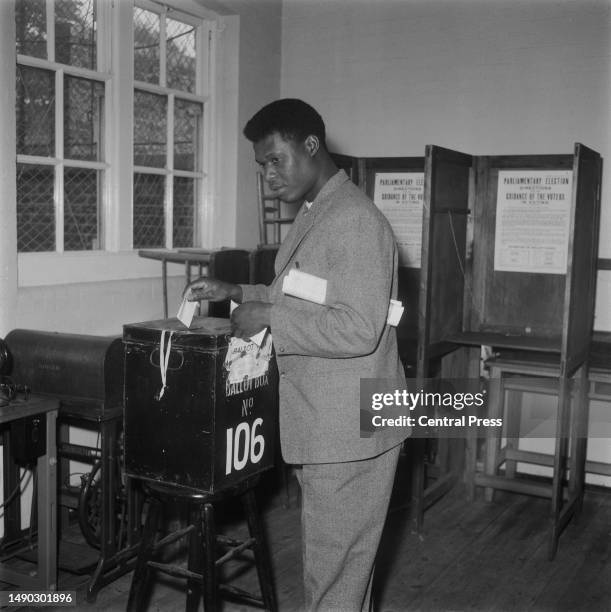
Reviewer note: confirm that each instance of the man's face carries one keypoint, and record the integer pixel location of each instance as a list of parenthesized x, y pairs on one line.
[(287, 167)]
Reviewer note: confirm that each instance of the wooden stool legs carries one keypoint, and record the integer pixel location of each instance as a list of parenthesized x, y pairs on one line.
[(201, 572), (509, 379), (137, 600), (209, 540), (195, 562)]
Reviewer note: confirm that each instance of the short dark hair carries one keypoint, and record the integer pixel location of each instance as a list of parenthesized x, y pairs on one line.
[(293, 119)]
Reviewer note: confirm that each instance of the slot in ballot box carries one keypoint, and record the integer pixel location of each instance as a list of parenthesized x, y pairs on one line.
[(188, 422)]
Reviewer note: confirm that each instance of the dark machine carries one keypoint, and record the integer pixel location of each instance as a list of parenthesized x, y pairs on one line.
[(85, 373)]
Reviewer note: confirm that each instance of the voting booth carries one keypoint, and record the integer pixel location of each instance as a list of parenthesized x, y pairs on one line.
[(509, 262), (510, 252), (505, 257)]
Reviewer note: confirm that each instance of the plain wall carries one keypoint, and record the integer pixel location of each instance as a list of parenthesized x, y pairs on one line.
[(260, 49), (8, 168)]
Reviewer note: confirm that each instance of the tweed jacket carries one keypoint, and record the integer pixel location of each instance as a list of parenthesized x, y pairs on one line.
[(324, 350)]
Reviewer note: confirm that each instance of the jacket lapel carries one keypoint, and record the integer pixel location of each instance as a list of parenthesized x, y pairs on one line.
[(299, 230)]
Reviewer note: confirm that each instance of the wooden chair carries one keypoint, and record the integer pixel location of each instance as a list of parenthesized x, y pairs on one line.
[(270, 215)]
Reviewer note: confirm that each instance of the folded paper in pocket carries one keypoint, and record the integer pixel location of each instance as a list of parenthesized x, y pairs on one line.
[(305, 286), (395, 312)]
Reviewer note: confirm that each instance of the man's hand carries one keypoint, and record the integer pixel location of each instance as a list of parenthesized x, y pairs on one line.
[(250, 318), (213, 290)]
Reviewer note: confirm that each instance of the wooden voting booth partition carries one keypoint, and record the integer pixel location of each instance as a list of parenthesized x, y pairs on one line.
[(517, 274), (444, 239), (396, 185), (440, 306)]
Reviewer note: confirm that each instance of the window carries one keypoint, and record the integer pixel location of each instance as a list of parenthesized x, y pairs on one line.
[(72, 80), (168, 124), (60, 106)]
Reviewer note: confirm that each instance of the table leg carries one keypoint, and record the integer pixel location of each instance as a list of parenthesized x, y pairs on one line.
[(47, 509)]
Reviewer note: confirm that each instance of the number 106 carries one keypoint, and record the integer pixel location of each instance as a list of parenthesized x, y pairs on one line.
[(243, 444)]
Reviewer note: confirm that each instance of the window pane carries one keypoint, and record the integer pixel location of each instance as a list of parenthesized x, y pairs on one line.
[(75, 33), (83, 106), (180, 45), (147, 38), (31, 27), (184, 212), (149, 222), (35, 208), (150, 129), (81, 209), (187, 121), (35, 112)]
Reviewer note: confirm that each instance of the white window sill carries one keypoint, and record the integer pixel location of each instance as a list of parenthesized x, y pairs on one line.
[(39, 269)]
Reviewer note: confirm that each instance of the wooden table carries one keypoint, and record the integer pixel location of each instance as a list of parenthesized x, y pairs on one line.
[(199, 257), (230, 265), (45, 577)]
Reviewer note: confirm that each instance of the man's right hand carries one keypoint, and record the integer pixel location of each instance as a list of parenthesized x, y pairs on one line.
[(213, 290)]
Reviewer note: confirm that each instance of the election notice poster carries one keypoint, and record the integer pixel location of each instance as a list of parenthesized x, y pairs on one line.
[(532, 221), (400, 196)]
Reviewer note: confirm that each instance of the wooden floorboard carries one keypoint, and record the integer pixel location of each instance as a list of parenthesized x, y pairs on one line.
[(469, 556)]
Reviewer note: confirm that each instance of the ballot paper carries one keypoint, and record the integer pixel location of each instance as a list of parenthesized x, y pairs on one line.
[(395, 312), (186, 311), (305, 286)]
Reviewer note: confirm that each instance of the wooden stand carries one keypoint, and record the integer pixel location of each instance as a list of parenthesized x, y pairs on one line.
[(202, 573), (510, 378), (116, 529)]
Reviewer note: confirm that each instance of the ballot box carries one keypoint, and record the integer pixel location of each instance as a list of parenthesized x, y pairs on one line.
[(200, 407)]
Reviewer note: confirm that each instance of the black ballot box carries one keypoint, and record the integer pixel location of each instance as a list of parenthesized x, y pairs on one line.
[(194, 417)]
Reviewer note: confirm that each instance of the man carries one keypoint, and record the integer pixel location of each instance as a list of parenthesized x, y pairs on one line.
[(323, 350)]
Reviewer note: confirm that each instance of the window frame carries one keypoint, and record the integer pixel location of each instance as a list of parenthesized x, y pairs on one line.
[(59, 162), (116, 259), (203, 35)]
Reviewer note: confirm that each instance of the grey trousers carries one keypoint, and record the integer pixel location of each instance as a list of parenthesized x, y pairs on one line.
[(344, 508)]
